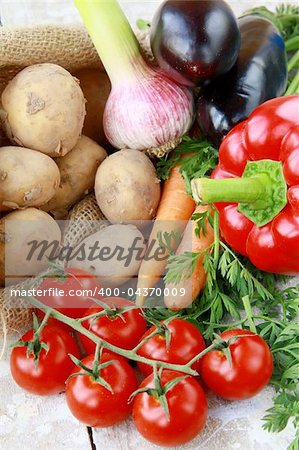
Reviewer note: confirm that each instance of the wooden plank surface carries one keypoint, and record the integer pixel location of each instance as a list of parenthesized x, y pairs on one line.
[(32, 422), (230, 425)]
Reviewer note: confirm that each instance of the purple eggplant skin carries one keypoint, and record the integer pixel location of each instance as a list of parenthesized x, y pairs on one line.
[(259, 74), (195, 40)]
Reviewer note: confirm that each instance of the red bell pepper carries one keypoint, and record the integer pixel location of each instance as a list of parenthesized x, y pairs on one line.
[(257, 183)]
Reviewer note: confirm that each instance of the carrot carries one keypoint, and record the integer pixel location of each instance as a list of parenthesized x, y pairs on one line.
[(191, 286), (176, 206)]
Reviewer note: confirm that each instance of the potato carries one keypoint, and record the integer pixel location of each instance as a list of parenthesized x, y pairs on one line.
[(77, 173), (27, 178), (127, 188), (96, 87), (112, 268), (44, 109), (17, 230)]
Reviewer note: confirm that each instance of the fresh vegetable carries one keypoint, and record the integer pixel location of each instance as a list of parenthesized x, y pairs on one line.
[(178, 422), (145, 110), (70, 291), (44, 109), (77, 173), (195, 241), (195, 40), (259, 74), (109, 254), (121, 324), (176, 341), (27, 178), (286, 18), (17, 230), (285, 358), (98, 393), (96, 88), (263, 151), (103, 345), (224, 304), (242, 369), (41, 365), (194, 158), (127, 188), (175, 208)]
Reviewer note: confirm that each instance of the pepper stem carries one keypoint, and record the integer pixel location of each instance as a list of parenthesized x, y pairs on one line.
[(237, 190), (261, 192)]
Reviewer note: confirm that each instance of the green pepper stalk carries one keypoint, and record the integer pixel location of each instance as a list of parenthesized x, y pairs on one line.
[(261, 192), (145, 110)]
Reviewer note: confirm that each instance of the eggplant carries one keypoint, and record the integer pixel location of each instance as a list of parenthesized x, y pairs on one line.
[(195, 40), (259, 74)]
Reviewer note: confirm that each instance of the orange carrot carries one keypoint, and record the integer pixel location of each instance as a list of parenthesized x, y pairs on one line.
[(175, 207), (190, 287)]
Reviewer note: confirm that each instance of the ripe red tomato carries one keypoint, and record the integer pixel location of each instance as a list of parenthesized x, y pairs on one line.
[(250, 371), (69, 295), (124, 332), (92, 403), (186, 342), (187, 411), (54, 366)]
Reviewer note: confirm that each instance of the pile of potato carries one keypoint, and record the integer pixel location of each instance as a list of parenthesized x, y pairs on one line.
[(49, 165)]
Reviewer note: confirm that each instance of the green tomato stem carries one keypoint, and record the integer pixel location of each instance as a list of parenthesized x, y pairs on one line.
[(130, 354), (211, 347), (113, 38), (43, 323)]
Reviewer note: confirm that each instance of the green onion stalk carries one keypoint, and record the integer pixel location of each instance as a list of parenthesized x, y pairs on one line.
[(145, 110)]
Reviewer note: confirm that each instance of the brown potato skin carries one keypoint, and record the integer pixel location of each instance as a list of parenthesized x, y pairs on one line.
[(77, 171), (27, 178), (15, 239), (96, 88), (127, 188), (43, 108)]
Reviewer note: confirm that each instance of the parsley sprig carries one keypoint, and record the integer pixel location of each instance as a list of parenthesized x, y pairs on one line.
[(196, 158)]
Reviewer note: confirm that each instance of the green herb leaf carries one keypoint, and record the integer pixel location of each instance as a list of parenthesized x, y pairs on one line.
[(196, 158)]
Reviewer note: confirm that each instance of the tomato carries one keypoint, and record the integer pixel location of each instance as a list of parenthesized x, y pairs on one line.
[(54, 366), (185, 343), (92, 403), (70, 294), (187, 411), (250, 371), (124, 332)]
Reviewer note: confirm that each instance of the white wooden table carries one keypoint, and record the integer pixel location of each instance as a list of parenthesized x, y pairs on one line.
[(36, 423)]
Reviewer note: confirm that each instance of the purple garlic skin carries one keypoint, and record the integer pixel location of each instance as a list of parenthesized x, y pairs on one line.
[(149, 112)]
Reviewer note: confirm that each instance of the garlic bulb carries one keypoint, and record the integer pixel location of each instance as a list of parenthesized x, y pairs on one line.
[(145, 110), (152, 113)]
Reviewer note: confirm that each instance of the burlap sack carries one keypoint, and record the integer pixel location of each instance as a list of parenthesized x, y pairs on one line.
[(84, 219), (70, 47)]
